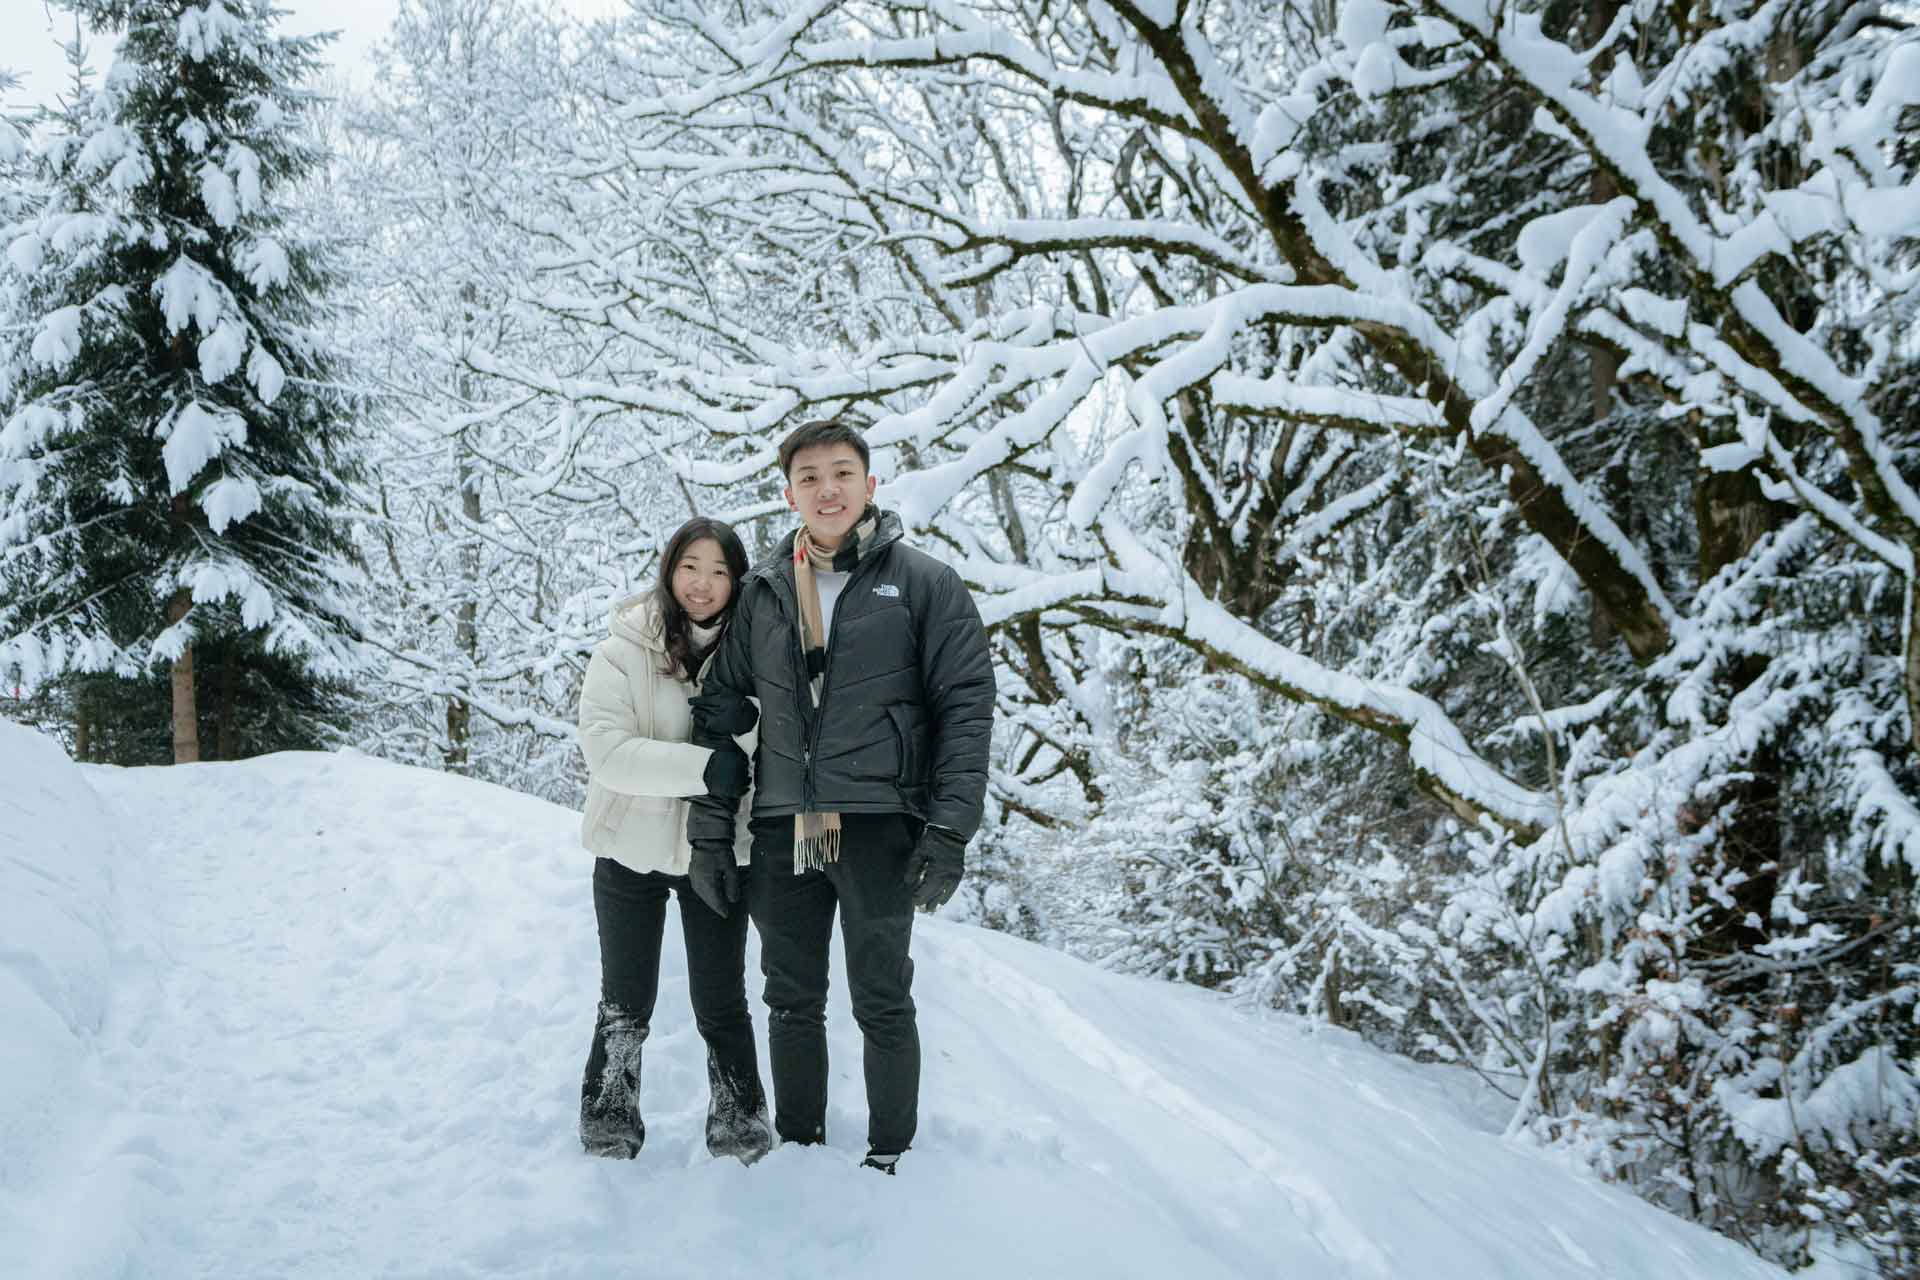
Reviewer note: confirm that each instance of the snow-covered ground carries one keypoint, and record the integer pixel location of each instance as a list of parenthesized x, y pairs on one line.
[(322, 1016)]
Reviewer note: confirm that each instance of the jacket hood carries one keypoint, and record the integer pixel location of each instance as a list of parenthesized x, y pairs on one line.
[(637, 618)]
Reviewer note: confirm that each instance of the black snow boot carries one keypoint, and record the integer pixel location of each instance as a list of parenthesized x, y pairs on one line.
[(610, 1123), (883, 1161), (736, 1116)]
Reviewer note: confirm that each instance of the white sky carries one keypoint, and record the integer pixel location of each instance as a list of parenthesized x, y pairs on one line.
[(31, 32)]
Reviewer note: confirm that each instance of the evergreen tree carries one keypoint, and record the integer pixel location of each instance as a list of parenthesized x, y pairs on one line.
[(13, 150), (176, 448), (20, 200)]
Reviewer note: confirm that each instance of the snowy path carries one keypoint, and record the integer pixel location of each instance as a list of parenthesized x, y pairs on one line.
[(348, 1004)]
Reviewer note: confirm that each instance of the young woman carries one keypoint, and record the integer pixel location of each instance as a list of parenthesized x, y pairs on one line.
[(634, 727)]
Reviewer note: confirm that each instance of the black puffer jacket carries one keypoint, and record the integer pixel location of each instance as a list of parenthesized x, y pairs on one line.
[(906, 709)]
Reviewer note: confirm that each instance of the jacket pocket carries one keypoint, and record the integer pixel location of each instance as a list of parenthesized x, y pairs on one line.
[(615, 811), (621, 807), (910, 742), (598, 798), (650, 804)]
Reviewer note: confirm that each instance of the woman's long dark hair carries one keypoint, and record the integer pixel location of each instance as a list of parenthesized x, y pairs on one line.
[(683, 657)]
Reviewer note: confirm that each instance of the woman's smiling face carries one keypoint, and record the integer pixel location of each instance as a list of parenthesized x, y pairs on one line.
[(701, 584)]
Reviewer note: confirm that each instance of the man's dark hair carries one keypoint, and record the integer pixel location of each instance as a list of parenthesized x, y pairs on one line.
[(823, 431)]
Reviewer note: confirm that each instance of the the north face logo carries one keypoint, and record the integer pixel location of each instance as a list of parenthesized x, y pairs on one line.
[(888, 590)]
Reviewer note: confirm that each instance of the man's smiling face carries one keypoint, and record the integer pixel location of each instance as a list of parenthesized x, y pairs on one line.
[(830, 488)]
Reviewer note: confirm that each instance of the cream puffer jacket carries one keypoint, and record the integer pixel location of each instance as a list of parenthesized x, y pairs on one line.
[(634, 723)]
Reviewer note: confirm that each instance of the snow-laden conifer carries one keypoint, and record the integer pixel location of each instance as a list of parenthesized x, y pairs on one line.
[(176, 434)]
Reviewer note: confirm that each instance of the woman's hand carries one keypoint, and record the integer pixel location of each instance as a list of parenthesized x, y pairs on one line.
[(714, 876), (727, 773), (721, 714)]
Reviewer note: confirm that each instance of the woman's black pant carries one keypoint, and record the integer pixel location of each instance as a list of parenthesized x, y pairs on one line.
[(632, 910)]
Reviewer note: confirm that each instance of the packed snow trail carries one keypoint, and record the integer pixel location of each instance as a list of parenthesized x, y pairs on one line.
[(344, 1007)]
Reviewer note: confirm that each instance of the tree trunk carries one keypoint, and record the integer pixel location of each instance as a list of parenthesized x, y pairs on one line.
[(1734, 514), (82, 729), (1604, 362), (229, 689), (457, 754), (1616, 483), (186, 721), (459, 729), (458, 757)]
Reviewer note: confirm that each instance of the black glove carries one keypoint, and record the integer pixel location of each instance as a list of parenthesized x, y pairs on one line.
[(726, 774), (721, 715), (715, 876), (935, 866)]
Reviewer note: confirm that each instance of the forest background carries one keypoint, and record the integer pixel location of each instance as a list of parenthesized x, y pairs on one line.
[(1439, 476)]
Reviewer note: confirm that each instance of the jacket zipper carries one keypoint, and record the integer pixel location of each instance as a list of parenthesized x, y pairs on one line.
[(800, 665), (826, 685)]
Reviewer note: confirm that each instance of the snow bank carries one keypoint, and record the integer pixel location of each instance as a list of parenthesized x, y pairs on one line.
[(348, 1036), (55, 891)]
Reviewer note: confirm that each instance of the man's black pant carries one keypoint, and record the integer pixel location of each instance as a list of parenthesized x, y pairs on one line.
[(794, 914), (632, 911)]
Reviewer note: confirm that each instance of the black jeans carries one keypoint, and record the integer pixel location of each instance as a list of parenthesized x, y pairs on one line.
[(794, 914), (632, 911)]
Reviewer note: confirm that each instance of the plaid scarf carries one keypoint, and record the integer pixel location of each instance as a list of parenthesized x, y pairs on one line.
[(816, 836)]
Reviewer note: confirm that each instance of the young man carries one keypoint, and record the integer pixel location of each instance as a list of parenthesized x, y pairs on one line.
[(876, 709)]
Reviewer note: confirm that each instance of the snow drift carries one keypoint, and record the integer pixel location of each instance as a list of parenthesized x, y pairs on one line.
[(327, 1017), (55, 887)]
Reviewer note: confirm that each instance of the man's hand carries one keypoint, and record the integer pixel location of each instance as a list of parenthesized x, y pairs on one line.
[(715, 876), (721, 715), (935, 866), (727, 773)]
